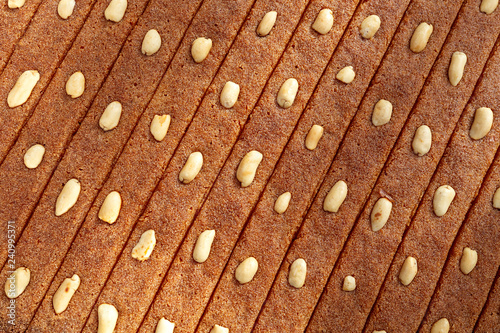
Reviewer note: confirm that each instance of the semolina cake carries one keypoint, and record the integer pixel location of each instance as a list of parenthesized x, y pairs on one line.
[(249, 165)]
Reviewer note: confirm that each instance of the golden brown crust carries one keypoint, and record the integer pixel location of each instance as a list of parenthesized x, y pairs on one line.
[(368, 255), (41, 48), (459, 297), (14, 23), (92, 152), (489, 321)]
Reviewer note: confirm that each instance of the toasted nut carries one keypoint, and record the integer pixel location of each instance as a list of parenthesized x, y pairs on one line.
[(203, 246), (64, 293), (65, 8), (159, 126), (151, 42), (324, 21), (297, 274), (422, 140), (33, 156), (420, 37), (468, 260), (281, 204), (248, 167), (382, 112), (107, 318), (443, 197), (111, 116), (441, 326), (110, 208), (496, 199), (115, 10), (191, 168), (75, 86), (267, 23), (335, 198), (369, 26), (246, 270), (201, 48), (488, 6), (219, 329), (287, 93), (380, 213), (349, 283), (145, 246), (483, 120), (17, 282), (164, 326), (346, 75), (408, 271), (379, 332), (21, 91), (457, 66), (312, 138), (229, 94), (15, 3), (68, 196)]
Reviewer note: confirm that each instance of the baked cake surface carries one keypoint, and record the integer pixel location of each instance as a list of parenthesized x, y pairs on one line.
[(282, 260)]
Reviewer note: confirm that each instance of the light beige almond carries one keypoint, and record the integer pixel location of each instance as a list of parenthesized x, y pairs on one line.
[(346, 75), (159, 126), (15, 3), (34, 156), (370, 26), (457, 66), (111, 207), (68, 196), (108, 316), (488, 6), (165, 326), (229, 94), (267, 23), (408, 271), (75, 86), (65, 8), (219, 329), (201, 48), (281, 204), (441, 326), (151, 42), (496, 199), (145, 246), (420, 37), (382, 112), (287, 93), (248, 167), (17, 282), (483, 121), (380, 213), (297, 274), (468, 260), (324, 21), (203, 246), (313, 137), (191, 168), (422, 140), (335, 197), (349, 283), (64, 293), (22, 89), (246, 270), (443, 197), (111, 116), (115, 10)]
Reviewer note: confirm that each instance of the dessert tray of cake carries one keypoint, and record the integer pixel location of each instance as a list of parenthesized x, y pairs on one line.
[(250, 166)]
